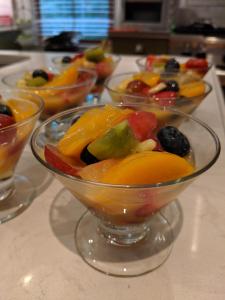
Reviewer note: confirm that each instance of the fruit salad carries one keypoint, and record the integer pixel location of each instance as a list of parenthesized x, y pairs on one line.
[(121, 146), (165, 63), (181, 91), (17, 119), (93, 58), (59, 91)]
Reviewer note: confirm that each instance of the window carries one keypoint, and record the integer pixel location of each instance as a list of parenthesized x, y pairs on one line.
[(6, 13), (91, 18)]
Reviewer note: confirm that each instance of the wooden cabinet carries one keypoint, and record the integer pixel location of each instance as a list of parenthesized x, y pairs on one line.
[(125, 42)]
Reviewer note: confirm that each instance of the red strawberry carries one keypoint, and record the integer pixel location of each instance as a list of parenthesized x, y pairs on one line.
[(142, 124), (58, 161), (197, 63), (7, 134), (104, 69), (165, 98)]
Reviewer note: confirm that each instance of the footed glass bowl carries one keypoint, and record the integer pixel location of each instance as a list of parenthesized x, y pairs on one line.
[(184, 104), (103, 70), (59, 98), (16, 191), (160, 68), (123, 232)]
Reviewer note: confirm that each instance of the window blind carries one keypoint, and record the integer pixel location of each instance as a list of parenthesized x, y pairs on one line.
[(91, 18)]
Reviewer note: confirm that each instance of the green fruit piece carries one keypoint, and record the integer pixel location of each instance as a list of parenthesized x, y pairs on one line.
[(95, 54), (119, 141), (37, 81)]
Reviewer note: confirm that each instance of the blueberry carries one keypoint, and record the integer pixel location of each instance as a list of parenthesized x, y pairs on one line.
[(66, 60), (172, 65), (87, 157), (40, 73), (173, 141), (5, 110), (172, 85)]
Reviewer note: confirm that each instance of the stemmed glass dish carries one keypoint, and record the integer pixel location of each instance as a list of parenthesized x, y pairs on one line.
[(159, 66), (16, 191), (61, 97), (184, 104), (103, 69), (123, 232)]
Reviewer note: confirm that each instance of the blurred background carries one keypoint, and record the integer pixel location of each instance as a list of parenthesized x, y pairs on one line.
[(187, 27)]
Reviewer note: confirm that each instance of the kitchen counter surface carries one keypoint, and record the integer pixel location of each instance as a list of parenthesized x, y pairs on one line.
[(38, 257)]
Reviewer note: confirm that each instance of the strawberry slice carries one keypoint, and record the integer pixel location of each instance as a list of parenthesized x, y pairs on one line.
[(197, 63), (50, 76), (7, 135), (149, 61), (165, 98), (104, 69), (59, 161), (6, 120), (142, 124)]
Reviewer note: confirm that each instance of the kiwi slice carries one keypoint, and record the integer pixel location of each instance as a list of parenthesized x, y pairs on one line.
[(95, 54), (37, 81)]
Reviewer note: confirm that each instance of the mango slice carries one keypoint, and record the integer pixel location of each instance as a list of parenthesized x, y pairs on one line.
[(91, 125), (94, 172), (22, 109), (148, 167), (67, 77), (150, 79), (192, 89)]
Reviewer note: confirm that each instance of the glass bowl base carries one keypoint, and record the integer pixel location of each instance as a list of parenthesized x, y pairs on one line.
[(18, 200), (125, 261)]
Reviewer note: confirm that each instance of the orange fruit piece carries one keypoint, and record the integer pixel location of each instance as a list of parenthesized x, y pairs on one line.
[(192, 89), (89, 126), (149, 167), (94, 172), (149, 78), (67, 77), (22, 109)]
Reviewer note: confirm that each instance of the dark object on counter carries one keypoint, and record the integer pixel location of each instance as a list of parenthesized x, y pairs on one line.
[(62, 42), (201, 28)]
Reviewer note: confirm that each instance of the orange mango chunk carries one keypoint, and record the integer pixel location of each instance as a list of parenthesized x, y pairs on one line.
[(67, 77), (22, 109), (192, 89), (149, 78), (90, 126), (148, 167), (94, 172)]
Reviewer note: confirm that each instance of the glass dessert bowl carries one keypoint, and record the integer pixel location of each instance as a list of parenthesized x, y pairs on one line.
[(94, 58), (19, 112), (123, 232), (180, 91), (197, 67), (59, 91)]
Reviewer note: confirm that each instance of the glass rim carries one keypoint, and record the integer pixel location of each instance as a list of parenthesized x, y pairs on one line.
[(27, 120), (111, 90), (141, 61), (57, 88), (127, 186), (117, 58)]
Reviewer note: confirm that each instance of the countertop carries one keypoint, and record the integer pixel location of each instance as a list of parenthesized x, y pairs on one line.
[(38, 257)]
